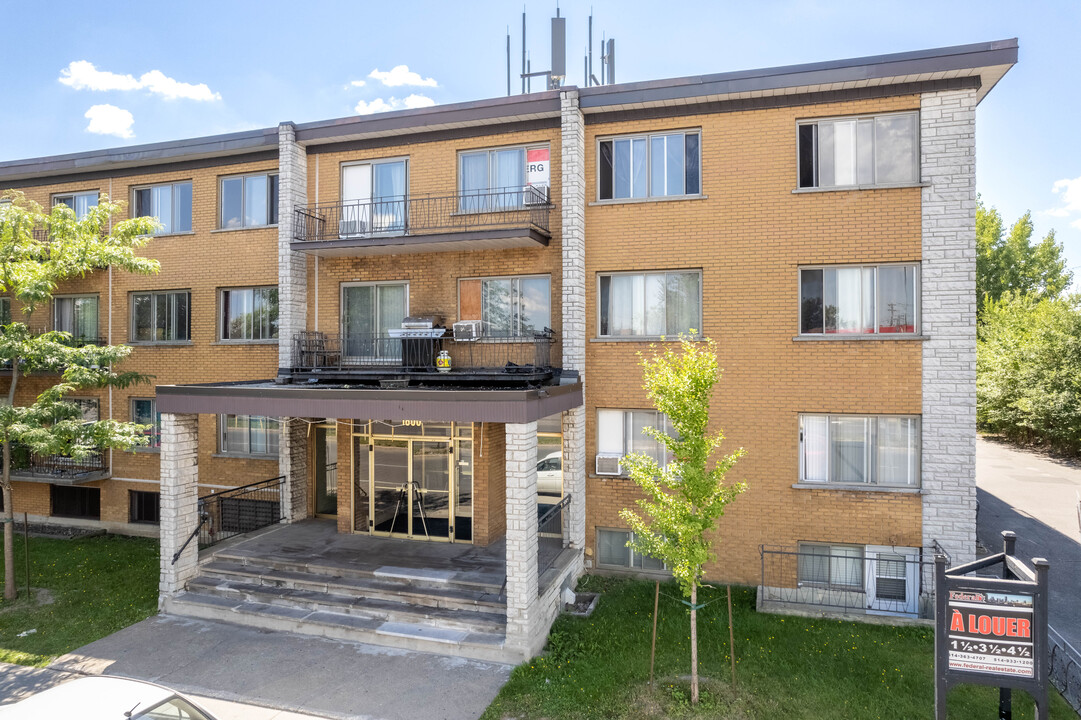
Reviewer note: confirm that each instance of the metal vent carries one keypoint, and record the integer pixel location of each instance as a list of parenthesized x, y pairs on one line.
[(609, 465)]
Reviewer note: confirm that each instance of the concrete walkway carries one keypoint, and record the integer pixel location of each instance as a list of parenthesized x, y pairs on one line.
[(1036, 497), (285, 672)]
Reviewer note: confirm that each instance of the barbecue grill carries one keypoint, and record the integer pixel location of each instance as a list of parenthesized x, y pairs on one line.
[(421, 338)]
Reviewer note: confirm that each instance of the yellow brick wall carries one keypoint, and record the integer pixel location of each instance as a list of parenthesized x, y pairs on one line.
[(748, 236)]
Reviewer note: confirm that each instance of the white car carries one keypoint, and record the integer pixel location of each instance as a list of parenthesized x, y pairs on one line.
[(550, 474), (105, 698)]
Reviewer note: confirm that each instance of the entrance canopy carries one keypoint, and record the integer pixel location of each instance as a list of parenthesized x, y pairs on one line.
[(345, 401)]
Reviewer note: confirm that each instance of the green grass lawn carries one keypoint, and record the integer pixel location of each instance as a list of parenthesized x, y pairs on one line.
[(787, 667), (98, 586)]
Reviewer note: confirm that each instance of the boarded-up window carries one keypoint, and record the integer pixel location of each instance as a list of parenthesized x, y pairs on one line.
[(469, 300)]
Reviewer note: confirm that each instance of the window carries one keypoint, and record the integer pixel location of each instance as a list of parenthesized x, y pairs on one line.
[(661, 165), (161, 317), (860, 450), (89, 408), (854, 151), (831, 565), (649, 305), (170, 204), (143, 507), (249, 434), (75, 502), (77, 315), (503, 178), (79, 202), (145, 412), (865, 300), (620, 433), (507, 307), (249, 201), (5, 311), (373, 198), (249, 314), (613, 551)]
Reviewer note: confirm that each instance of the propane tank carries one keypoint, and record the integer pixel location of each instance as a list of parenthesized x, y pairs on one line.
[(442, 362)]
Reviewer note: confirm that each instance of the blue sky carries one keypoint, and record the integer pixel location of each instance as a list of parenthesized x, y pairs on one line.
[(199, 68)]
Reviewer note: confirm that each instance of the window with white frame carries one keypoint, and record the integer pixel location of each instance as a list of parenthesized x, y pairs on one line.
[(249, 201), (161, 317), (855, 300), (858, 151), (144, 411), (502, 177), (643, 166), (860, 449), (169, 203), (249, 314), (248, 434), (507, 306), (622, 432), (650, 304), (77, 315), (614, 551), (831, 565), (80, 203)]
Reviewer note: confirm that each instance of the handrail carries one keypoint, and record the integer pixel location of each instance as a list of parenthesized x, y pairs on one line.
[(553, 510), (203, 517)]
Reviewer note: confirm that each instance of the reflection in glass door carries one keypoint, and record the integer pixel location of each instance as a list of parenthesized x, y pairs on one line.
[(368, 311), (390, 487), (326, 471), (430, 490)]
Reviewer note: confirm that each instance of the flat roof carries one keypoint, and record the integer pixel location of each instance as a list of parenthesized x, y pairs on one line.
[(986, 62)]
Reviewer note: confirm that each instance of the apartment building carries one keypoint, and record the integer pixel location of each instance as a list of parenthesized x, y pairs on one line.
[(413, 337)]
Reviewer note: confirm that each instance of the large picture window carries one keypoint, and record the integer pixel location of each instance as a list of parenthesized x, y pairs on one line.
[(249, 201), (170, 204), (860, 450), (249, 434), (650, 304), (620, 433), (859, 300), (249, 314), (161, 317), (509, 306), (643, 166), (78, 315), (858, 151), (502, 178)]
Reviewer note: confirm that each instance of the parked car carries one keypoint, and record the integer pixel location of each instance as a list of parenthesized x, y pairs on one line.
[(550, 474), (106, 698)]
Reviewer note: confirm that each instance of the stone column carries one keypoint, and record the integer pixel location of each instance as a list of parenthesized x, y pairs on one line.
[(293, 465), (179, 501), (522, 576), (292, 266), (948, 302)]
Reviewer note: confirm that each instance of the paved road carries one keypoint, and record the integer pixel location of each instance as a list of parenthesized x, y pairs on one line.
[(1035, 496), (296, 673)]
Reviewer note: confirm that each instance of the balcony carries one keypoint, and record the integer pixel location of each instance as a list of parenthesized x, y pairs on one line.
[(58, 469), (390, 362), (487, 220)]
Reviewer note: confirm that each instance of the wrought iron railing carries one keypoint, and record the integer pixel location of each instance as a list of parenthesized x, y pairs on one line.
[(240, 510), (517, 207), (59, 466), (317, 351), (550, 536), (821, 578)]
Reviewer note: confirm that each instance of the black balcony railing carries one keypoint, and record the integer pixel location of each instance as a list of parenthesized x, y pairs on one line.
[(58, 466), (373, 352), (526, 208), (550, 536)]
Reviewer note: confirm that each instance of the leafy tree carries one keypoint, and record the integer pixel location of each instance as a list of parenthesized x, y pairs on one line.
[(1013, 261), (38, 251), (685, 498)]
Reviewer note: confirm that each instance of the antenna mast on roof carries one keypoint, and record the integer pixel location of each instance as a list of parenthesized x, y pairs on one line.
[(557, 74)]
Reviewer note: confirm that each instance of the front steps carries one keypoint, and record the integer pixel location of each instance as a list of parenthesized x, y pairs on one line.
[(414, 609)]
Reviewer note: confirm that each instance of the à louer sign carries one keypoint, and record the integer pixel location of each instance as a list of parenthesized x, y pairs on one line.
[(990, 632)]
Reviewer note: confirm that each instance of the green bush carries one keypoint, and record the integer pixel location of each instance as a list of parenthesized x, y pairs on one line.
[(1028, 370)]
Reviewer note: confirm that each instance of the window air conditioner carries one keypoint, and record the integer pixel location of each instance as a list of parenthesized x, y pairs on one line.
[(352, 228), (467, 330), (536, 195), (609, 465)]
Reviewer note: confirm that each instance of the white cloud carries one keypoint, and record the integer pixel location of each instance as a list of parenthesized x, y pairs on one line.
[(1069, 193), (380, 105), (110, 120), (82, 75), (401, 75), (358, 83)]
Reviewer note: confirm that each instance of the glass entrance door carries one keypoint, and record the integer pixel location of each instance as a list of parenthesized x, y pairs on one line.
[(390, 487), (431, 501)]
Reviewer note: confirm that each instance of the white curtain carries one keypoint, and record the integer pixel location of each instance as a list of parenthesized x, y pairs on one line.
[(610, 432), (815, 448), (897, 451), (848, 449)]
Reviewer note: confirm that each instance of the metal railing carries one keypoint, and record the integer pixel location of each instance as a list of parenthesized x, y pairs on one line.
[(60, 466), (550, 537), (227, 513), (517, 207), (855, 581), (316, 351)]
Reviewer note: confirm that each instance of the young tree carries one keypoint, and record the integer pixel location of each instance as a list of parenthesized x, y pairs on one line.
[(1006, 262), (38, 251), (685, 498)]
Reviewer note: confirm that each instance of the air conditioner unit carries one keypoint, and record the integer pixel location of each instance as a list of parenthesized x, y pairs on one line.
[(352, 228), (536, 195), (609, 465), (467, 330)]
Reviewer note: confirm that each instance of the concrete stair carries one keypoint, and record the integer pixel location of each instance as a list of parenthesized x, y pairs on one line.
[(455, 613)]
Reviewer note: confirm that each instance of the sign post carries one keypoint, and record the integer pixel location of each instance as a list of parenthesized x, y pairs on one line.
[(992, 631)]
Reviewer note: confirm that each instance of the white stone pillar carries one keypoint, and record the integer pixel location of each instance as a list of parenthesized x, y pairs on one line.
[(522, 575), (293, 465), (948, 303), (292, 266), (179, 501)]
